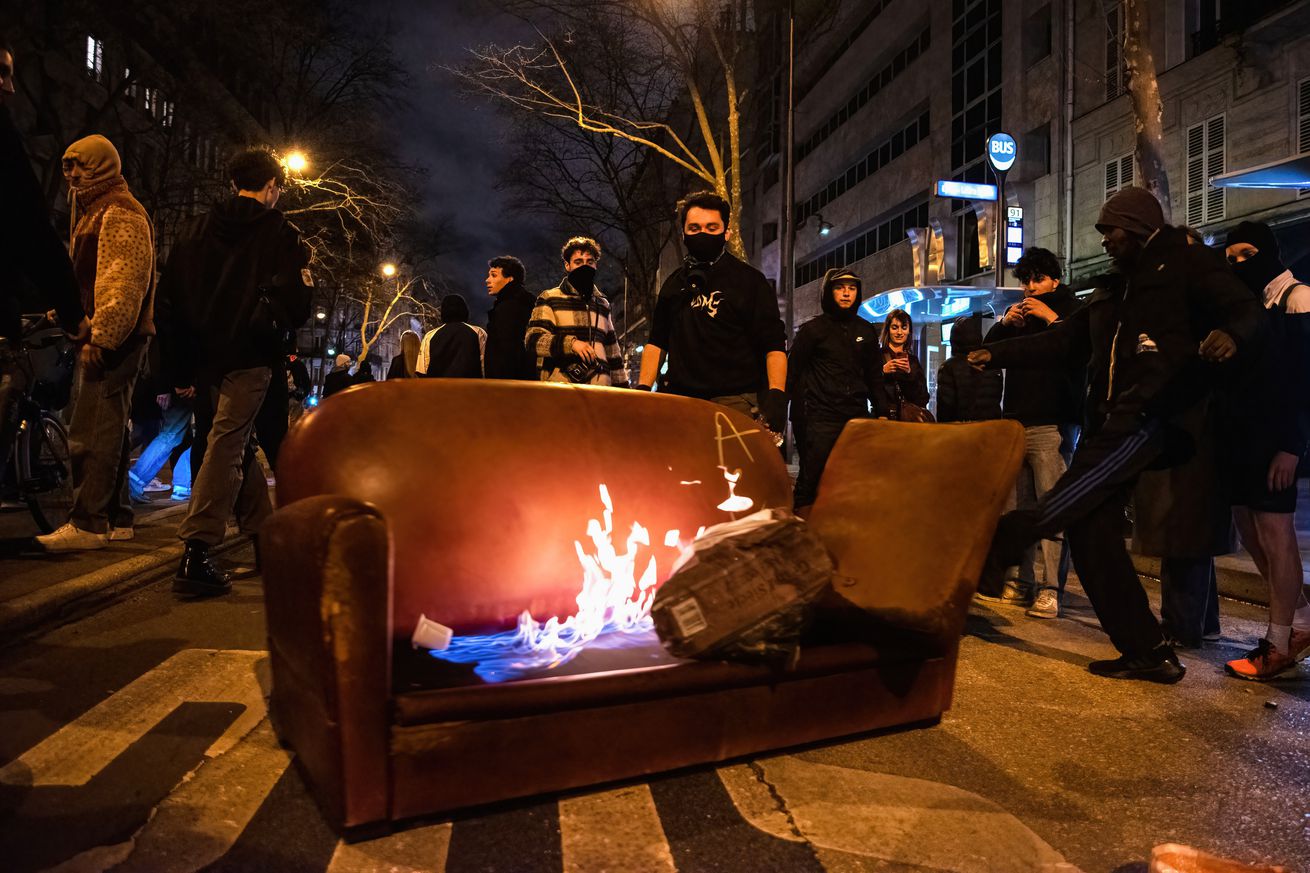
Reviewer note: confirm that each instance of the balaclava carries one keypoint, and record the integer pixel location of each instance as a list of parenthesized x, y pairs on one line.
[(829, 303), (100, 163), (1266, 264)]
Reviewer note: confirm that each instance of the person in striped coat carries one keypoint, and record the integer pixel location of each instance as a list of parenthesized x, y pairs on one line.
[(572, 331)]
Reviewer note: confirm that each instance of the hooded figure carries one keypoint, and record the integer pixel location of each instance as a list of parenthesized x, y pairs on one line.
[(963, 393), (455, 349), (831, 374)]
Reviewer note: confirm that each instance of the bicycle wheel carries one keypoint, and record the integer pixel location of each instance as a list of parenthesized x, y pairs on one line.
[(47, 480)]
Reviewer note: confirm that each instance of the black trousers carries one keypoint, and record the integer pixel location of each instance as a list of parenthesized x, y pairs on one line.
[(820, 435), (1088, 503)]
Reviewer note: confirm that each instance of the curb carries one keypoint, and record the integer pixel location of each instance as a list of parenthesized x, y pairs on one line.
[(1235, 583), (57, 604)]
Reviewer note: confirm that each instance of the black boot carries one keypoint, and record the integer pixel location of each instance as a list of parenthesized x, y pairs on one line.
[(196, 576)]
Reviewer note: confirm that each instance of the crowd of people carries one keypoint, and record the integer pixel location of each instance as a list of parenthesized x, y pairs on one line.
[(1179, 384)]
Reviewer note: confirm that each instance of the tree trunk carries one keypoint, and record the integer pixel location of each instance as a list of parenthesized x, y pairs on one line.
[(1144, 91)]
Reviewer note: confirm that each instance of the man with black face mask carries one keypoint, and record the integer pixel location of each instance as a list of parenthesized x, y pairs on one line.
[(831, 373), (1266, 416), (571, 331), (717, 319), (1150, 346)]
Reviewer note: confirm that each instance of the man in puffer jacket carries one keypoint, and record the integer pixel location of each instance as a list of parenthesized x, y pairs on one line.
[(113, 251), (963, 393), (831, 374)]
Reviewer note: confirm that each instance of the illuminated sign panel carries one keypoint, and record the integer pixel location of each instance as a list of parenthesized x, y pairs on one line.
[(1002, 151), (965, 190)]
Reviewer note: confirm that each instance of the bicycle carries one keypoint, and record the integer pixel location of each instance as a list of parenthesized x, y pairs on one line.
[(36, 378)]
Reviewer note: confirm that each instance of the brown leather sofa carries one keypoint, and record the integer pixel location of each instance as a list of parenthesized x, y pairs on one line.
[(462, 500)]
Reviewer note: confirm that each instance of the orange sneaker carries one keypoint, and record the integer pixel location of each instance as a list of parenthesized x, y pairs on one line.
[(1262, 663), (1300, 644)]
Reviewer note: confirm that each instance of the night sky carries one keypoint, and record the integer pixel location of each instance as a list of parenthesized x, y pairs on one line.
[(457, 138)]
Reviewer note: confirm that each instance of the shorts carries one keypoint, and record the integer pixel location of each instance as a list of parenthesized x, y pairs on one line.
[(1249, 482)]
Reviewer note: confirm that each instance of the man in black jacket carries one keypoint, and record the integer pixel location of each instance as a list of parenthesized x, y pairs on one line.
[(236, 283), (963, 393), (507, 324), (1151, 351), (831, 374), (1047, 402), (717, 318)]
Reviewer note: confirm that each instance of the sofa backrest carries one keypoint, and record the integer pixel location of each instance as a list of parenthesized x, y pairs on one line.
[(908, 512), (488, 487)]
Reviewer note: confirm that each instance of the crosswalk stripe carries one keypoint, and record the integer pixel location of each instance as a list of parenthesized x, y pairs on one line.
[(79, 750), (616, 830), (419, 850)]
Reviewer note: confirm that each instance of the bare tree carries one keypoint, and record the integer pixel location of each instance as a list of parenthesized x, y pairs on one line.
[(1144, 91)]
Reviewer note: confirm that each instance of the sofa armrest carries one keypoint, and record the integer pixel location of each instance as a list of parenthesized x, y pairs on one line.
[(327, 590)]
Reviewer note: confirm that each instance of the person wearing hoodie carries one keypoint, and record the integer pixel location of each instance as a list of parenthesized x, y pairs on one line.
[(831, 374), (507, 323), (717, 319), (963, 393), (1047, 401), (1266, 414), (113, 252), (1151, 349), (571, 332), (236, 284), (454, 350)]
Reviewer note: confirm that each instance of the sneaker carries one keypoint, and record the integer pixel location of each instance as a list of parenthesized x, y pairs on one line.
[(121, 534), (1262, 663), (181, 492), (1012, 594), (1047, 604), (1160, 665), (71, 538), (156, 487), (1300, 644), (1212, 636)]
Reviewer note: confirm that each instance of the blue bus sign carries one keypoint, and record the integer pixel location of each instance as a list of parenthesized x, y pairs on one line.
[(965, 190), (1002, 151)]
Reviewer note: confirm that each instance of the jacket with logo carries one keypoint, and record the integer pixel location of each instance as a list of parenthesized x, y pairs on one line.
[(1140, 338)]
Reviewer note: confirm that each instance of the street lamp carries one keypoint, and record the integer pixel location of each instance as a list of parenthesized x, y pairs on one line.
[(388, 269), (787, 256), (296, 161)]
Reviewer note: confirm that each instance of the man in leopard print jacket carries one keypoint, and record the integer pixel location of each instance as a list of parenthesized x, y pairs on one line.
[(113, 253)]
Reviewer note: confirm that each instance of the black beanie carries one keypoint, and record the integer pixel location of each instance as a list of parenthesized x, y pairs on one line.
[(453, 309), (1134, 209)]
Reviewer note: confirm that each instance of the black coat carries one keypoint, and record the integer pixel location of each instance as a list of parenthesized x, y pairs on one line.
[(454, 352), (963, 393), (1139, 343), (29, 247), (891, 389), (832, 368), (337, 380), (507, 325), (236, 277)]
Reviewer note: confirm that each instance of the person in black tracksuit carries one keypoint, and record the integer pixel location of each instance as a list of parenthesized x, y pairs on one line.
[(831, 372), (1150, 353), (963, 393)]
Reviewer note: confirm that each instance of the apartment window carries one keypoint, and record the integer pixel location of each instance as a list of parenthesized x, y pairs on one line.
[(1303, 124), (976, 68), (884, 234), (770, 233), (1118, 174), (1037, 36), (1037, 150), (95, 58), (132, 90), (1205, 160), (1116, 74), (166, 113), (895, 145), (151, 101)]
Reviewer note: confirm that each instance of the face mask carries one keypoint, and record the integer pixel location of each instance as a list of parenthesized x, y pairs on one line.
[(583, 279), (704, 246), (1258, 270)]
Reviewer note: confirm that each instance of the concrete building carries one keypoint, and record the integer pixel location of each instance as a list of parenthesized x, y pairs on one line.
[(900, 94)]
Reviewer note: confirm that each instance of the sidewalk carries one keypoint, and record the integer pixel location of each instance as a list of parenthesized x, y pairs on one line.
[(37, 589)]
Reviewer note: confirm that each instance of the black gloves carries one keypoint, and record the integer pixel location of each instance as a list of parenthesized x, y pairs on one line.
[(773, 406)]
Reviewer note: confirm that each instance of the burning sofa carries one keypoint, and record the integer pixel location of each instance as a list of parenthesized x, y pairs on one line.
[(507, 511)]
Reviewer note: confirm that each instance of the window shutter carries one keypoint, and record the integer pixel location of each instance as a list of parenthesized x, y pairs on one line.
[(1195, 175), (1303, 125), (1214, 166), (1119, 174), (1127, 178), (1114, 78), (1111, 178)]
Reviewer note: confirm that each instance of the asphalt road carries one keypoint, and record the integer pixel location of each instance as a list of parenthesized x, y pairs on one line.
[(135, 739)]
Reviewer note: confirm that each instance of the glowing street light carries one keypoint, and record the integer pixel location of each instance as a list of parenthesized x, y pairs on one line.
[(388, 269), (296, 161)]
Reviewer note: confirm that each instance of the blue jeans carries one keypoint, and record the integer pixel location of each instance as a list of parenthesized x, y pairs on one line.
[(173, 429)]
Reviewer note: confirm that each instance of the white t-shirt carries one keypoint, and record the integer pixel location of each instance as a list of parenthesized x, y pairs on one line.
[(1298, 301)]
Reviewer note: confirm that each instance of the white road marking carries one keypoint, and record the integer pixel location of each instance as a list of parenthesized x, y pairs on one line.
[(617, 830), (419, 850), (79, 750)]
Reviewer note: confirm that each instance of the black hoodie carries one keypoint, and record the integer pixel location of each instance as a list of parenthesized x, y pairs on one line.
[(963, 393), (834, 365), (1047, 395), (507, 325), (237, 280)]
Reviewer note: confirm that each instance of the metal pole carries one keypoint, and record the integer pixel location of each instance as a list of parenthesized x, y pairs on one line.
[(998, 231), (786, 270)]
